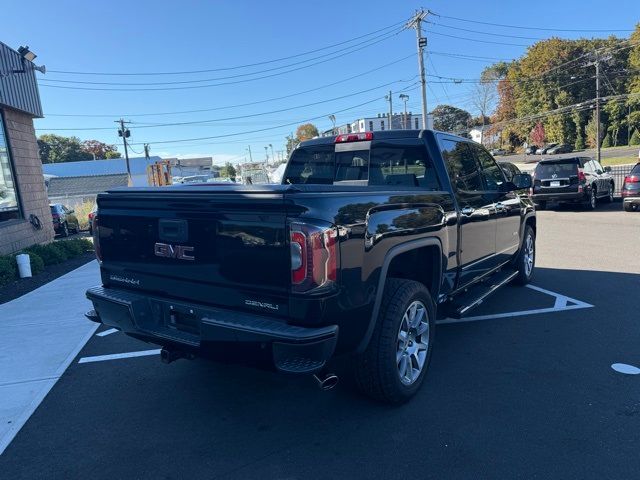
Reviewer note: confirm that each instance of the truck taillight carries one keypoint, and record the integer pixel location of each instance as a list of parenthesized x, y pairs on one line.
[(314, 256), (95, 229), (354, 137)]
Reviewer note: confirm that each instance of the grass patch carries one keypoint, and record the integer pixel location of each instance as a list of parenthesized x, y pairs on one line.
[(619, 160)]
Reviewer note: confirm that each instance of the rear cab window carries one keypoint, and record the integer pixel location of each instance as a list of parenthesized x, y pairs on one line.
[(401, 163)]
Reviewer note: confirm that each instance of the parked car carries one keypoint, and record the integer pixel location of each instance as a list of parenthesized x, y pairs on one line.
[(562, 148), (64, 220), (355, 253), (498, 151), (90, 217), (531, 150), (510, 170), (542, 150), (631, 190), (575, 180)]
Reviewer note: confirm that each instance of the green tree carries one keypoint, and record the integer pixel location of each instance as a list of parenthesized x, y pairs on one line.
[(590, 132), (57, 149), (635, 138), (228, 170), (112, 154), (579, 145), (606, 143), (451, 119)]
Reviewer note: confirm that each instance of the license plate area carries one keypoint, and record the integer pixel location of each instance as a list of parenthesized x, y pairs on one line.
[(183, 320), (554, 183)]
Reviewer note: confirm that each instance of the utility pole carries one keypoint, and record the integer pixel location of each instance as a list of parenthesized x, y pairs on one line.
[(146, 151), (416, 23), (404, 97), (250, 156), (273, 158), (597, 62), (389, 98), (125, 133)]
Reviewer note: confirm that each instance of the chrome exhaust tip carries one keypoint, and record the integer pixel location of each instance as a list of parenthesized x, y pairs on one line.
[(327, 381)]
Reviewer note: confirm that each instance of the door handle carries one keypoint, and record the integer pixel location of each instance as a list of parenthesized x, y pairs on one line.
[(467, 211)]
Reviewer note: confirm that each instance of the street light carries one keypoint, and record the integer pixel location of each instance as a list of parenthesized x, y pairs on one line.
[(332, 117), (266, 153), (273, 158), (404, 97), (27, 54)]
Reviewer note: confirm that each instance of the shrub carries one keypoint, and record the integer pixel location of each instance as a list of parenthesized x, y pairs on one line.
[(82, 211), (71, 248), (87, 245), (37, 264), (50, 254), (8, 270), (606, 143), (579, 145), (635, 138)]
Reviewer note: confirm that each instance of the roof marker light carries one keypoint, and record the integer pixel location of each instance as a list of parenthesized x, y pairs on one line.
[(354, 137)]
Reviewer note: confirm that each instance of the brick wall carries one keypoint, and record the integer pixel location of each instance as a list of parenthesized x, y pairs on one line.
[(17, 234)]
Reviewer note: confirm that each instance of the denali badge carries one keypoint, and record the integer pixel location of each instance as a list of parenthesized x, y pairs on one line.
[(181, 252), (255, 303)]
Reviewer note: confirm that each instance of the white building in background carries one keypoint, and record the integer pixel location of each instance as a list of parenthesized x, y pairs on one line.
[(381, 122), (486, 138)]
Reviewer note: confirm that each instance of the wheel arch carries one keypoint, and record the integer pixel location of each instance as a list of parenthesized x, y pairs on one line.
[(432, 278)]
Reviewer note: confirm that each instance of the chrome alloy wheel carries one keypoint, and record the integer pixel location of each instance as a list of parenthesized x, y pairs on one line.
[(529, 255), (413, 342)]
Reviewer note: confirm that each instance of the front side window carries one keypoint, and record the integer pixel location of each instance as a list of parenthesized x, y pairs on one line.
[(9, 208), (462, 166), (490, 169)]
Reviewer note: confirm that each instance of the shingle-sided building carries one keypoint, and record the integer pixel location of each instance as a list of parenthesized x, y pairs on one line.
[(25, 217)]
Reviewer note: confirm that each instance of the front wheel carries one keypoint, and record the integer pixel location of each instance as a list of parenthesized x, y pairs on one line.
[(592, 201), (394, 365), (526, 259)]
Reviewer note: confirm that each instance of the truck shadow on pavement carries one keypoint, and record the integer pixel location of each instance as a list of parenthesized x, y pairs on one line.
[(512, 390)]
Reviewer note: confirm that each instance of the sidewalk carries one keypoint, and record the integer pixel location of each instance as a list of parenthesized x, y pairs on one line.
[(40, 334)]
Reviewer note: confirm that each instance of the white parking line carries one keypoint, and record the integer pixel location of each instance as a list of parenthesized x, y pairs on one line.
[(104, 333), (561, 304), (116, 356)]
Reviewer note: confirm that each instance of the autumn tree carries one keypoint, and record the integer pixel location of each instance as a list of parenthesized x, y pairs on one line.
[(56, 149), (538, 135), (98, 149), (306, 132)]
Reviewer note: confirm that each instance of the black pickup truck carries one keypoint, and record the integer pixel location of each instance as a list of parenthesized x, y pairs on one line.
[(368, 239)]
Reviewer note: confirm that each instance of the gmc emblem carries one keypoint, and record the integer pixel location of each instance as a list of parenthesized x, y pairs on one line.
[(181, 252)]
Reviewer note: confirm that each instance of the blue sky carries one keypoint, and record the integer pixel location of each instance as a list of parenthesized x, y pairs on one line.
[(160, 36)]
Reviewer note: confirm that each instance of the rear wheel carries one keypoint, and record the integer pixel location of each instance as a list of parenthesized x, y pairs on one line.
[(628, 207), (526, 259), (610, 193), (592, 201), (394, 365)]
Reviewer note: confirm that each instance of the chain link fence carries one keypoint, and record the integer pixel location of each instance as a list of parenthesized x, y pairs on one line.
[(619, 172)]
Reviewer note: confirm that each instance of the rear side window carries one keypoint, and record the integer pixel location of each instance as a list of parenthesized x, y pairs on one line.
[(557, 169), (636, 170), (313, 165)]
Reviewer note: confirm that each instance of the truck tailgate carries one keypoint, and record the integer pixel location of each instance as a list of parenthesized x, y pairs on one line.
[(214, 245)]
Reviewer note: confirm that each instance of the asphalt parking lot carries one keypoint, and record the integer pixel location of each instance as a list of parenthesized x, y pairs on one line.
[(522, 389)]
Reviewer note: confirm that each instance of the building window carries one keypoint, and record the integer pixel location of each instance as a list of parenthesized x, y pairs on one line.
[(381, 124), (417, 127), (370, 125), (9, 208)]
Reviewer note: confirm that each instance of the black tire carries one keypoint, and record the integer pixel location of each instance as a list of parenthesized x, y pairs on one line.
[(610, 193), (592, 201), (65, 230), (628, 207), (525, 274), (377, 369)]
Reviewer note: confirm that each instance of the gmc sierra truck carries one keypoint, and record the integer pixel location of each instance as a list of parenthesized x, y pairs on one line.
[(368, 239)]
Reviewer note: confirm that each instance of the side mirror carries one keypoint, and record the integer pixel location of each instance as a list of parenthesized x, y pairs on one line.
[(522, 181), (607, 169), (71, 211)]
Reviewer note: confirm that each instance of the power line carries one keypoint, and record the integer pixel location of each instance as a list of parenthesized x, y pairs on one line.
[(478, 40), (485, 33), (212, 120), (229, 77), (237, 105), (209, 70), (534, 28), (221, 83)]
